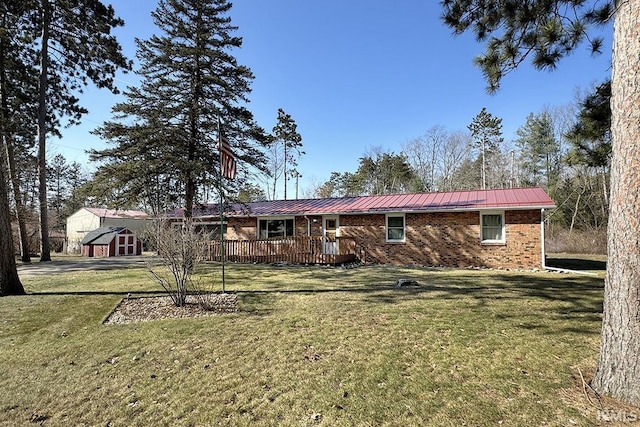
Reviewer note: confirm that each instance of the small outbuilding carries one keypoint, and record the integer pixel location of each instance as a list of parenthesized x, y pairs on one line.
[(87, 219), (111, 241)]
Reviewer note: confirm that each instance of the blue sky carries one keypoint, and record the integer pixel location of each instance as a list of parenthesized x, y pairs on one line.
[(356, 74)]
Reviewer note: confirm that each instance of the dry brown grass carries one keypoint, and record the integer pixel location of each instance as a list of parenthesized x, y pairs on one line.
[(308, 346), (560, 240)]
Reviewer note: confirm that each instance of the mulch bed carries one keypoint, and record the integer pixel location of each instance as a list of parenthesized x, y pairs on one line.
[(144, 309)]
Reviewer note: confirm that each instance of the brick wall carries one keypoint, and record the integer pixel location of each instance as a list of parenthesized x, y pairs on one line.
[(247, 228), (241, 229), (432, 239), (449, 239)]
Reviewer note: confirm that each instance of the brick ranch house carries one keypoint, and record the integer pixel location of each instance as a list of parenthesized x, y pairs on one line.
[(501, 228)]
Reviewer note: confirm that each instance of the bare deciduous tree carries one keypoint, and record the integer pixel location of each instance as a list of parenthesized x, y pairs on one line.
[(181, 249)]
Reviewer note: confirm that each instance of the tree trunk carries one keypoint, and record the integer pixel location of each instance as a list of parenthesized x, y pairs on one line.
[(9, 281), (45, 254), (575, 211), (618, 373), (605, 193), (20, 209), (6, 133), (284, 143), (482, 170)]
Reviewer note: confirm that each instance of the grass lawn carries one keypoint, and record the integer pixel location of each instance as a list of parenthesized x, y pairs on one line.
[(308, 346)]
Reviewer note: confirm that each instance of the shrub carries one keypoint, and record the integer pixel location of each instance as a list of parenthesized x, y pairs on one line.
[(181, 249), (562, 240)]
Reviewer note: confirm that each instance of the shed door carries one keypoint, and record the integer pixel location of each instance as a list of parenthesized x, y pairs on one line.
[(126, 245)]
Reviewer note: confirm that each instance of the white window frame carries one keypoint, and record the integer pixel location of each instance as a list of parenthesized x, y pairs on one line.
[(272, 218), (501, 241), (404, 227)]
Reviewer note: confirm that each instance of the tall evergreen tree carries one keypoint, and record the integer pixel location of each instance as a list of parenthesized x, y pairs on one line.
[(383, 173), (18, 90), (590, 138), (251, 192), (286, 132), (10, 61), (165, 132), (50, 49), (591, 135), (9, 281), (467, 174), (486, 133), (58, 174), (540, 152), (547, 31), (74, 47), (338, 185)]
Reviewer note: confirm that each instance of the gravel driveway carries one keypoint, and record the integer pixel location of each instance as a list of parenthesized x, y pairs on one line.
[(55, 266)]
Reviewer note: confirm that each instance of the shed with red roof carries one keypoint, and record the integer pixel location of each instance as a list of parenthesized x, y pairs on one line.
[(88, 219), (111, 241)]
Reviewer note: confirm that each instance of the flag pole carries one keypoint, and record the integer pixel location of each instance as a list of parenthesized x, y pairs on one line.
[(221, 206)]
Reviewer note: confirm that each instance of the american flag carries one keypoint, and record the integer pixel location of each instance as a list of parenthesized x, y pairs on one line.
[(227, 160)]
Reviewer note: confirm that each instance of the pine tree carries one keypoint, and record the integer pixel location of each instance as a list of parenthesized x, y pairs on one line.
[(547, 31), (164, 133), (539, 151), (591, 135), (74, 47), (486, 133), (9, 281), (590, 138), (10, 66), (382, 173), (286, 132), (17, 84)]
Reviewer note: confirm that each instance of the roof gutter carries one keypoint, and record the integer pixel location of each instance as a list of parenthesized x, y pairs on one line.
[(394, 210)]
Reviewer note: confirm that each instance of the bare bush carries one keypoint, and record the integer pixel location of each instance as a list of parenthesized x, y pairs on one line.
[(181, 250), (562, 240)]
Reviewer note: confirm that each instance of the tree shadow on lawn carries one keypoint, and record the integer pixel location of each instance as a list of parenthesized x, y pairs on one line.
[(121, 293), (574, 300), (579, 264)]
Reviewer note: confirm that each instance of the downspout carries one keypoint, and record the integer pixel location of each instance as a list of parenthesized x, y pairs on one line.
[(544, 252), (308, 225), (309, 233)]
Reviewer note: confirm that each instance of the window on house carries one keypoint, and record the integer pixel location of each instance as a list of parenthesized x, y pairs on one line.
[(269, 228), (395, 228), (492, 227)]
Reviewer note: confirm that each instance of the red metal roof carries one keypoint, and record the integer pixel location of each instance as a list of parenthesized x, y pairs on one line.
[(510, 198), (117, 213)]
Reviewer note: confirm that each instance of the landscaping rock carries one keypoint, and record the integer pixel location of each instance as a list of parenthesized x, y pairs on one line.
[(131, 310), (400, 283)]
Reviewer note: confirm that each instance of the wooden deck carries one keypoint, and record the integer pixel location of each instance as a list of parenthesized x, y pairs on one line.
[(295, 250)]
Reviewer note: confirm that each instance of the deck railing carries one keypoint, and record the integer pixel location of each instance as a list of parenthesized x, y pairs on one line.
[(297, 250)]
